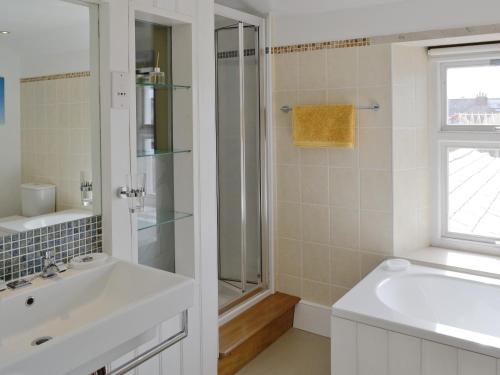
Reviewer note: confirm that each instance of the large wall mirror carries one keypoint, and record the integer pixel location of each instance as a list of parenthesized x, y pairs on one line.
[(49, 114)]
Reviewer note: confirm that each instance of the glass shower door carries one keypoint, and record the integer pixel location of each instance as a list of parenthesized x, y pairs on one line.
[(251, 111), (228, 155), (238, 149)]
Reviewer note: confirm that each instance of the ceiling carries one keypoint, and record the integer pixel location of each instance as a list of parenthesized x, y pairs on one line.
[(298, 6), (44, 26), (33, 15)]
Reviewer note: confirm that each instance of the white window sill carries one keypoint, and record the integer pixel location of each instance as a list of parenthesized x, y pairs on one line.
[(455, 260)]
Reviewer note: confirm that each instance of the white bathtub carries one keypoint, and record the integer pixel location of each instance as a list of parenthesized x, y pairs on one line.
[(413, 314)]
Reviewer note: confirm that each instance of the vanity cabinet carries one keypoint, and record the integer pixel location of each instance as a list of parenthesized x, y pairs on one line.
[(169, 362)]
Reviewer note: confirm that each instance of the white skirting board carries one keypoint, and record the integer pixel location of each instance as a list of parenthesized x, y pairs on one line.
[(312, 317)]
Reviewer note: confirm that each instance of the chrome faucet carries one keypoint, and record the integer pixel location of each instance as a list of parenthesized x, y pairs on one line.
[(50, 269)]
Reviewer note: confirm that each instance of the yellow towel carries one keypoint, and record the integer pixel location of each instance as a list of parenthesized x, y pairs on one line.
[(324, 125)]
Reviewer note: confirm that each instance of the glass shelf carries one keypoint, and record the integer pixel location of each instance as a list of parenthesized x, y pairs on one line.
[(163, 153), (149, 219), (163, 86)]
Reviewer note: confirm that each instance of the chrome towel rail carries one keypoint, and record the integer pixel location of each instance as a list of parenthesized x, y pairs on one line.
[(375, 107), (155, 350)]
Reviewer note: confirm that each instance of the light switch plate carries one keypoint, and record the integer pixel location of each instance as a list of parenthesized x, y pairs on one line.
[(120, 90)]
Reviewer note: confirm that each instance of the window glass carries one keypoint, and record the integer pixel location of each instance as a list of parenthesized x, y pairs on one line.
[(474, 191), (473, 94)]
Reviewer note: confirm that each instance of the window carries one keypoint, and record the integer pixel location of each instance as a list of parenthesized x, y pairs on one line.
[(473, 192), (471, 94), (467, 152)]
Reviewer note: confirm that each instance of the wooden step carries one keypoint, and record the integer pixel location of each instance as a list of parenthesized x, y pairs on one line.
[(244, 337)]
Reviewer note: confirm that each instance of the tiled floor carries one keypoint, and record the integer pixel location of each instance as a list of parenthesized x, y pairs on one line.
[(295, 353)]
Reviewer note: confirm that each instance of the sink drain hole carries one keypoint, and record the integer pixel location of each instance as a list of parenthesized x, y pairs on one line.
[(40, 340)]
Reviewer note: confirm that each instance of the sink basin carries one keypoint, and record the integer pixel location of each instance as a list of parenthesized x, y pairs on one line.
[(82, 314), (29, 223)]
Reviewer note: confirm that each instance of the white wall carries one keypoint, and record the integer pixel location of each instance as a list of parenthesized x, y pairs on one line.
[(391, 18), (60, 63), (10, 136)]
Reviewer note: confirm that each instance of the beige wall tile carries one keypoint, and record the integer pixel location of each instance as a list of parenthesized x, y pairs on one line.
[(423, 194), (375, 148), (376, 232), (405, 148), (376, 190), (312, 97), (344, 187), (343, 157), (288, 183), (344, 227), (289, 223), (369, 96), (422, 148), (286, 152), (342, 67), (314, 184), (405, 233), (403, 102), (337, 292), (289, 284), (346, 267), (343, 96), (369, 262), (403, 65), (423, 237), (405, 191), (316, 262), (312, 69), (316, 292), (283, 98), (315, 223), (286, 72), (314, 156), (289, 256), (375, 65)]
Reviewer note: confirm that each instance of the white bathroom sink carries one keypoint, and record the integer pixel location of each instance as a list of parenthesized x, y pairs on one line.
[(87, 313), (28, 223)]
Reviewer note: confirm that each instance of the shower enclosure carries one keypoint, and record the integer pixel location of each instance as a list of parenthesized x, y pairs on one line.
[(240, 160)]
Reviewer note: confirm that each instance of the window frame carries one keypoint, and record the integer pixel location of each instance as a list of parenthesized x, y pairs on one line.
[(443, 136)]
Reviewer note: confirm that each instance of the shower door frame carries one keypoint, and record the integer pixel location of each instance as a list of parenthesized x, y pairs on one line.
[(251, 20)]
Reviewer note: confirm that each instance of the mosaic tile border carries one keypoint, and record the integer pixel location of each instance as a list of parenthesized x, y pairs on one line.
[(21, 253), (56, 76), (347, 43), (235, 53)]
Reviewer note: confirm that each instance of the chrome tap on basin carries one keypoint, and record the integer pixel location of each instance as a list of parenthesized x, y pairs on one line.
[(50, 269)]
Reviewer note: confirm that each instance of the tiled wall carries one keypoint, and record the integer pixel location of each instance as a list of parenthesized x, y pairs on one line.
[(340, 211), (334, 206), (411, 149), (21, 253), (55, 133)]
